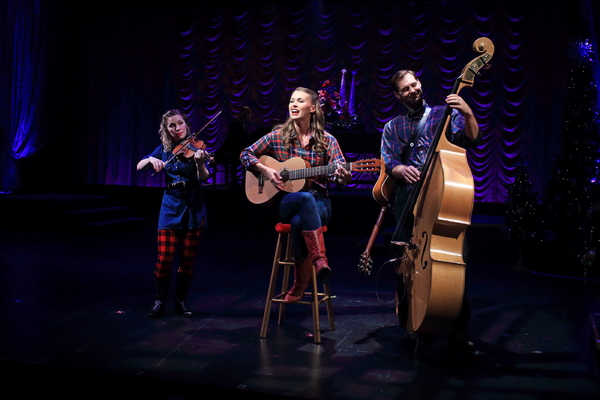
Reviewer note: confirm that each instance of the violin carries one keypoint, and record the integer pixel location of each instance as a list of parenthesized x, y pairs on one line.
[(188, 148), (191, 144)]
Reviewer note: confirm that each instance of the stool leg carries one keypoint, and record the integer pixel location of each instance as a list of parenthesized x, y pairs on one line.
[(282, 305), (327, 292), (271, 291), (315, 305), (289, 258)]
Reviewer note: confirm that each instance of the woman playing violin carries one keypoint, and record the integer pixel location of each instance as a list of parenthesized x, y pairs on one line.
[(182, 213), (302, 135)]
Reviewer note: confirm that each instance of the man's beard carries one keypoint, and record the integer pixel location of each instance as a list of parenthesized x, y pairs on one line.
[(415, 101)]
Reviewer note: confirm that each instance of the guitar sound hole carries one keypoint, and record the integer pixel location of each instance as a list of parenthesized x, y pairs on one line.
[(285, 175)]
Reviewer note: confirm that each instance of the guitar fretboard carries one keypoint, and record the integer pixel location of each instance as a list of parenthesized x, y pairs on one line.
[(317, 171)]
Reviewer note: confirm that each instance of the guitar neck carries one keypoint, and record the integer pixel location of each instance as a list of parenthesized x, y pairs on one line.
[(317, 171)]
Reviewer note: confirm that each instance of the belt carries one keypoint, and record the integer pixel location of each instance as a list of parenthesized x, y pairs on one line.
[(181, 185)]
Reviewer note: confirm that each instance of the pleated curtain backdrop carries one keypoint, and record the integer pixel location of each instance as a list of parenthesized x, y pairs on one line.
[(254, 54)]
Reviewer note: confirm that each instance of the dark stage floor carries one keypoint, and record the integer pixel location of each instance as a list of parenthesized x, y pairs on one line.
[(74, 325)]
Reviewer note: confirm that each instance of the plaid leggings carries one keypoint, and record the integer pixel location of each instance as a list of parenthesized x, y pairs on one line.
[(168, 240)]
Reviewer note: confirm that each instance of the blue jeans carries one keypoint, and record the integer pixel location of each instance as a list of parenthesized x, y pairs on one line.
[(304, 212)]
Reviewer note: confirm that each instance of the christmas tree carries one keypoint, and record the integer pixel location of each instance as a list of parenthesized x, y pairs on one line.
[(522, 218), (572, 190)]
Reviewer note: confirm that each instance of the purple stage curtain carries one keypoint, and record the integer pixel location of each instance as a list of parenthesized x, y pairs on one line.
[(23, 57), (255, 53)]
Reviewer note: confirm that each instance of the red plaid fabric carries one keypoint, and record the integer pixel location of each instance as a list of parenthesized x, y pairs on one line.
[(168, 242)]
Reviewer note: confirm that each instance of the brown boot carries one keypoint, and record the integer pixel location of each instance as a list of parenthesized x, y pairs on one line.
[(301, 278), (316, 249)]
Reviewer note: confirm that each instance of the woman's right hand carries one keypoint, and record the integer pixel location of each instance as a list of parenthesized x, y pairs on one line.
[(271, 175), (151, 162), (157, 164)]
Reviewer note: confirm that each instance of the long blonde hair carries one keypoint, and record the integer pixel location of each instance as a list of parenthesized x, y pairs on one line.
[(163, 131), (317, 123)]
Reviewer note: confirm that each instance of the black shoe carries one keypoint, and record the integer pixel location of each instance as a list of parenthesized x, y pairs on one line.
[(181, 308), (425, 347), (157, 309), (182, 287), (162, 286), (464, 347)]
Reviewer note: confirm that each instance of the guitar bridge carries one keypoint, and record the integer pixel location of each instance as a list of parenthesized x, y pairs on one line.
[(261, 183)]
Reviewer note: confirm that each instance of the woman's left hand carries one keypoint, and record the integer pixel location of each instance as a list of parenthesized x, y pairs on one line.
[(200, 155), (343, 176)]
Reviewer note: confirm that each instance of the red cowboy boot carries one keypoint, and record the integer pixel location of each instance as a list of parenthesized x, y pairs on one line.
[(316, 249), (301, 278)]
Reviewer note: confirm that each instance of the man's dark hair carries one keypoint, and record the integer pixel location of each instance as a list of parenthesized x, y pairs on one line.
[(398, 76)]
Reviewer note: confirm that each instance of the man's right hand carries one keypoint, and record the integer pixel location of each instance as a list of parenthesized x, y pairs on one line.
[(407, 173)]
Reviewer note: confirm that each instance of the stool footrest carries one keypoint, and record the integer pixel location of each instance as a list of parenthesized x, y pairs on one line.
[(325, 298)]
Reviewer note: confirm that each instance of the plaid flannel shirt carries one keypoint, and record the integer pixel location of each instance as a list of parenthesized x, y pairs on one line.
[(272, 145), (398, 131)]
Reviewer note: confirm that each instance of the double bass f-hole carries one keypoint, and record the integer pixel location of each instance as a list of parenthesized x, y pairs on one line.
[(425, 262)]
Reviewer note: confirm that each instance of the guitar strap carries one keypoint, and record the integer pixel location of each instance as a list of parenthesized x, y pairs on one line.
[(415, 136), (402, 191)]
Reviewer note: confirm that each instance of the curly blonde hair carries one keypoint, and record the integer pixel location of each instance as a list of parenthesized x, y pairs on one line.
[(163, 131), (317, 123)]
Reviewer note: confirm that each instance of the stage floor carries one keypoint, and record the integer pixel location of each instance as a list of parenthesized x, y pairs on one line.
[(73, 325)]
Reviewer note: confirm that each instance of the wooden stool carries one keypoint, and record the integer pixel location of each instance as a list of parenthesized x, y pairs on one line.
[(285, 258)]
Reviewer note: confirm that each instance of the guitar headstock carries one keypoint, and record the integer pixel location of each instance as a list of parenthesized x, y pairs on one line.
[(370, 165), (365, 265)]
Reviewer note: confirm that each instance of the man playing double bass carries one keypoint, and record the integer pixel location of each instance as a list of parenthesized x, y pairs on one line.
[(417, 126)]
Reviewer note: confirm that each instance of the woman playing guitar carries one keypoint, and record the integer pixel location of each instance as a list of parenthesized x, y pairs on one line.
[(308, 210)]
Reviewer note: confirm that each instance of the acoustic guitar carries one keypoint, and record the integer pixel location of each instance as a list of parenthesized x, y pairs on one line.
[(296, 174), (365, 265), (384, 188)]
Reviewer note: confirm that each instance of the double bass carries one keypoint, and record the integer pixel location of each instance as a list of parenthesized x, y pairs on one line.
[(441, 202)]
